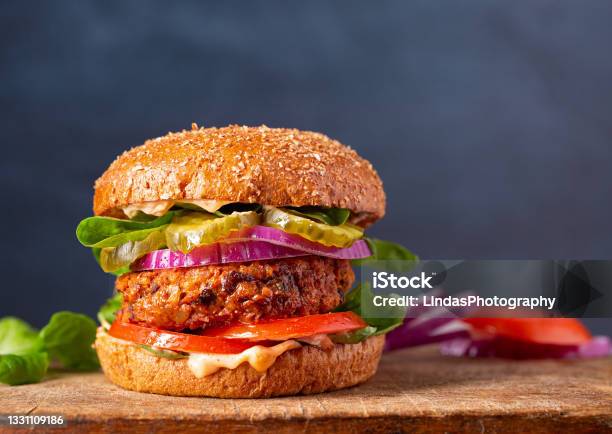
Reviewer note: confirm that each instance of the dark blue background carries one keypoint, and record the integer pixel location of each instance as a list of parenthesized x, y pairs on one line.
[(489, 122)]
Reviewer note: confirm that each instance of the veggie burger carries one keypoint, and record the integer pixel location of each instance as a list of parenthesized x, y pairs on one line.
[(233, 251)]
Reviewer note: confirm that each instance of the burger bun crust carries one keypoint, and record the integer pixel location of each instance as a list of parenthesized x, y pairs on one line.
[(304, 370), (269, 166)]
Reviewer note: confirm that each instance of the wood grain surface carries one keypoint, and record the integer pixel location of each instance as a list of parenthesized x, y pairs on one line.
[(414, 391)]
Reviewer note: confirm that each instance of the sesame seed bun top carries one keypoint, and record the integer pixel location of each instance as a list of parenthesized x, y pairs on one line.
[(270, 166)]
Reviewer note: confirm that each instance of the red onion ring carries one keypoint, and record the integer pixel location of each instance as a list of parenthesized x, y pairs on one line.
[(499, 346), (435, 330), (359, 249), (254, 244), (427, 325), (219, 253)]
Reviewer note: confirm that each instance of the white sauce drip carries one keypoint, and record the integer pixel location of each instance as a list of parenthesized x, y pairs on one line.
[(260, 358)]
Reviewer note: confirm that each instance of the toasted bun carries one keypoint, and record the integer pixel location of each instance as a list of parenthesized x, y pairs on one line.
[(303, 370), (270, 166)]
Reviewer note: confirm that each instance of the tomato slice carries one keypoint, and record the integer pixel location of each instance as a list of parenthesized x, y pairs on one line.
[(559, 331), (176, 341), (291, 328)]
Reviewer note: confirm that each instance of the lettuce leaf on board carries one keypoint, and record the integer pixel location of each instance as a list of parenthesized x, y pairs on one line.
[(68, 337), (18, 337), (108, 311), (25, 354), (23, 369)]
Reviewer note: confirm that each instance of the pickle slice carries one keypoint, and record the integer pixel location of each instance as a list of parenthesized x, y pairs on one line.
[(114, 258), (192, 229), (337, 236)]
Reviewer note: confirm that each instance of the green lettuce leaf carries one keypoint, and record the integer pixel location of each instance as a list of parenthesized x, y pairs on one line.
[(25, 354), (142, 217), (22, 369), (355, 336), (380, 320), (166, 354), (108, 310), (127, 237), (18, 337), (68, 338), (383, 318), (329, 216), (100, 232), (386, 251)]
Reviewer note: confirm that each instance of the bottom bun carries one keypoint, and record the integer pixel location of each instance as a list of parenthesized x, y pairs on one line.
[(304, 370)]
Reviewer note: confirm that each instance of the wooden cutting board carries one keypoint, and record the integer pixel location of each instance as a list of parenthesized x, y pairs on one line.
[(414, 391)]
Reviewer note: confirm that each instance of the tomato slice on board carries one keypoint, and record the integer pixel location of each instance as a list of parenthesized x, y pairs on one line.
[(291, 328), (176, 341), (559, 331)]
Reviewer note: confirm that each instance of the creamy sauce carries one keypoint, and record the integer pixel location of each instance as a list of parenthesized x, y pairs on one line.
[(203, 364), (260, 358), (161, 207)]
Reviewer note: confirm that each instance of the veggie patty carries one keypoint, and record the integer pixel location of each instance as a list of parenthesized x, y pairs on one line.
[(217, 295)]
